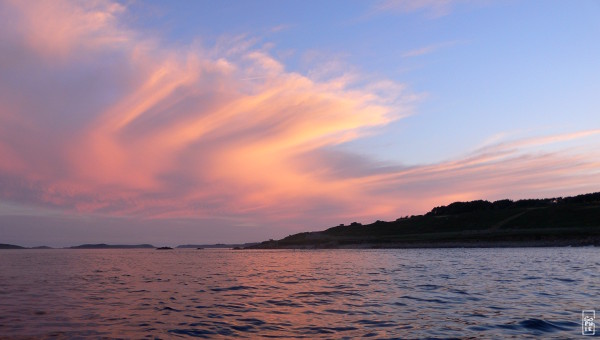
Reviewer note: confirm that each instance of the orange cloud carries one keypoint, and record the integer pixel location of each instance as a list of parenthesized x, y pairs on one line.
[(58, 28), (97, 119), (185, 126)]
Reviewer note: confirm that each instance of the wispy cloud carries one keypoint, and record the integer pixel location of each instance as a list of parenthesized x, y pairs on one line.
[(431, 8), (98, 119), (525, 168), (429, 49), (280, 28)]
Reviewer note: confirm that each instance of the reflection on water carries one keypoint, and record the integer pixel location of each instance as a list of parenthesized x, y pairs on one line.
[(414, 293)]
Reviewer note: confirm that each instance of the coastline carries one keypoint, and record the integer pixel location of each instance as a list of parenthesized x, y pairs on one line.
[(550, 222), (433, 245), (507, 239)]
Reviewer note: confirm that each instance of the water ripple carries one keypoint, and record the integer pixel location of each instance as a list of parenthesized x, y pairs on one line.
[(414, 293)]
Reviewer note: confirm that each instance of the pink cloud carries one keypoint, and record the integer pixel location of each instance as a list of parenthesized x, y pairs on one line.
[(221, 121), (100, 120), (433, 8), (429, 49), (58, 29)]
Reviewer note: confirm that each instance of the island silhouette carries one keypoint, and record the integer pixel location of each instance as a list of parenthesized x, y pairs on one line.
[(112, 246), (560, 221)]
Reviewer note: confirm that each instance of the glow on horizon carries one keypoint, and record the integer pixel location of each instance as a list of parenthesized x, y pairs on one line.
[(102, 121)]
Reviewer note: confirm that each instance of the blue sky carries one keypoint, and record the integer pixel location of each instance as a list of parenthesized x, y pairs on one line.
[(480, 69), (234, 121)]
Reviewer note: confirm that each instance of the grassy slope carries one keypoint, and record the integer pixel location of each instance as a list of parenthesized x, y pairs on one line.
[(562, 221)]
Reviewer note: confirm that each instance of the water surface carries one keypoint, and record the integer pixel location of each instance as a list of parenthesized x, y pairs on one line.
[(402, 293)]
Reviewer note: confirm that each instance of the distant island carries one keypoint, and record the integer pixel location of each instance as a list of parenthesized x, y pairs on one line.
[(113, 246), (136, 246), (85, 246), (561, 221), (217, 245), (10, 246), (548, 222)]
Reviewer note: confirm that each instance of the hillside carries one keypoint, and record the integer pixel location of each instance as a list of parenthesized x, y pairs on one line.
[(558, 221)]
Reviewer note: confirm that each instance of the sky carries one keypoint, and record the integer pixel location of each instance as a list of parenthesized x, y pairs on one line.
[(196, 122)]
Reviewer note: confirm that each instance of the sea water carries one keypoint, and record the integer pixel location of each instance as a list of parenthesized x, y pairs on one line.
[(400, 293)]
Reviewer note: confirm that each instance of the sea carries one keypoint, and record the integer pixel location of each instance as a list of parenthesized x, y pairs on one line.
[(487, 293)]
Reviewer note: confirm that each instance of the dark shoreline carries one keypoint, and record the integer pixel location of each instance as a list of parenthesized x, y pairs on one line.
[(538, 244), (374, 245), (573, 237), (550, 222)]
